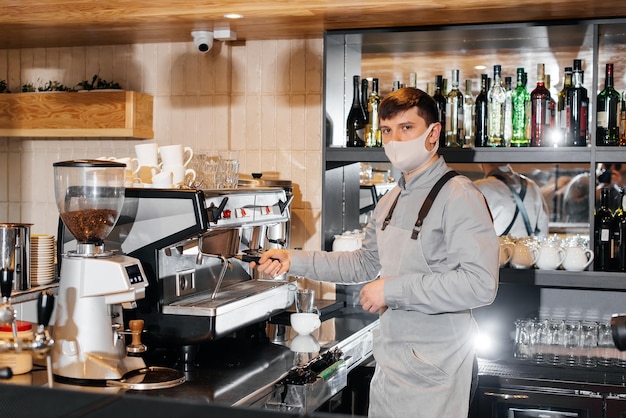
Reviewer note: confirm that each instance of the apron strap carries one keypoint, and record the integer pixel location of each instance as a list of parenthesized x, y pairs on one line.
[(429, 201)]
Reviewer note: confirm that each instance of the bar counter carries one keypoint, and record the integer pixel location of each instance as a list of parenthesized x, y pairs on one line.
[(226, 373)]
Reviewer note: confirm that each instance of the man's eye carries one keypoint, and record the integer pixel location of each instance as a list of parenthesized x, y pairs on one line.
[(385, 130)]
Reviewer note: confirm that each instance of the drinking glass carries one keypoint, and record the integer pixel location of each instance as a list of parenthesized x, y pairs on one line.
[(305, 300), (228, 169), (606, 346), (571, 342), (588, 343), (556, 335)]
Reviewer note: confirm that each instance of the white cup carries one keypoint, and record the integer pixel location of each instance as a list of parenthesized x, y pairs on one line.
[(148, 154), (175, 155), (132, 164), (305, 323), (163, 180), (181, 175)]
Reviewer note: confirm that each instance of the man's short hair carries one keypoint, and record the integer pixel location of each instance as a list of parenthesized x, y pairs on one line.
[(405, 98)]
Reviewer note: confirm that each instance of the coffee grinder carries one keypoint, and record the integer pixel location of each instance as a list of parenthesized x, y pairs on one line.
[(95, 285)]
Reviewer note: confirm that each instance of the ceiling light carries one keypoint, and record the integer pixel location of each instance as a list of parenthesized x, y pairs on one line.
[(233, 16)]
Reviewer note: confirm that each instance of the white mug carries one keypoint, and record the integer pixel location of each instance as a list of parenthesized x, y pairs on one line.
[(181, 175), (305, 323), (148, 154), (175, 155), (163, 180), (132, 164)]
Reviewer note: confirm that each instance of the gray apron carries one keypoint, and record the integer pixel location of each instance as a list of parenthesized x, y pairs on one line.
[(423, 362)]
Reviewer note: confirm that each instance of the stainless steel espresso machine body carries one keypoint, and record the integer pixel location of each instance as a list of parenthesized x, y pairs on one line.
[(186, 241)]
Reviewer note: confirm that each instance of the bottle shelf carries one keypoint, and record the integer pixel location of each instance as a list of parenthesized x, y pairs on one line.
[(588, 280), (336, 157)]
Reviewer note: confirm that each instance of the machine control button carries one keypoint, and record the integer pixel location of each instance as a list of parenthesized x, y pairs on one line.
[(226, 214)]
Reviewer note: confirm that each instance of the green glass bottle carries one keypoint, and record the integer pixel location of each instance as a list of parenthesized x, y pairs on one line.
[(519, 100), (607, 116)]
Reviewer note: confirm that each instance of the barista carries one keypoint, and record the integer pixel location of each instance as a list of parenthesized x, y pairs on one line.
[(423, 282), (515, 201)]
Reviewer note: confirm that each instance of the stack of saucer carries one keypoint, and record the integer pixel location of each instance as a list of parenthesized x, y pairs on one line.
[(42, 259)]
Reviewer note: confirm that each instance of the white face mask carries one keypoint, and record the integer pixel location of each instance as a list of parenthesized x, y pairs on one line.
[(410, 155)]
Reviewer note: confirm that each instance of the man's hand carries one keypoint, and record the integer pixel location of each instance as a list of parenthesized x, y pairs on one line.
[(373, 296), (273, 262)]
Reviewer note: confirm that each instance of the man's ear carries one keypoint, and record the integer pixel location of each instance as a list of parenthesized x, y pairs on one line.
[(434, 133)]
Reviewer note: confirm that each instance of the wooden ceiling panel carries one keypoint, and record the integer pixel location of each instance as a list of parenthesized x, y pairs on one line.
[(45, 23)]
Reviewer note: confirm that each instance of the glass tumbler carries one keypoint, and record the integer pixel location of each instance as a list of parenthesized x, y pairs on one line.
[(228, 169), (588, 343)]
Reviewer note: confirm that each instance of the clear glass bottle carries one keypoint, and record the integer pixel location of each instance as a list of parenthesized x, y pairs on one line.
[(540, 111), (440, 99), (561, 110), (607, 116), (454, 114), (508, 112), (372, 131), (412, 80), (481, 127), (519, 99), (468, 115), (355, 124), (577, 109), (496, 98)]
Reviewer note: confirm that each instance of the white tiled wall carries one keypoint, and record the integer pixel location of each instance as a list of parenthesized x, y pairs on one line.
[(261, 97)]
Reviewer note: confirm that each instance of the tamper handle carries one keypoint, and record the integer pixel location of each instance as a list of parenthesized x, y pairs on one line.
[(45, 305), (136, 327), (6, 282)]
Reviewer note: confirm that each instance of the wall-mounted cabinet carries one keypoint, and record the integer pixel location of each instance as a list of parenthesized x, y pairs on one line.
[(392, 54), (95, 113)]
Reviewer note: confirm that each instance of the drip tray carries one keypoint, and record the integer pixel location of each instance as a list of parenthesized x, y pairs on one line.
[(149, 378), (253, 296)]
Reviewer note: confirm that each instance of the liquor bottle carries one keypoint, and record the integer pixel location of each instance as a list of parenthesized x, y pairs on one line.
[(454, 114), (412, 80), (396, 85), (372, 131), (468, 116), (364, 99), (622, 122), (355, 124), (551, 134), (540, 111), (577, 109), (496, 98), (619, 234), (561, 111), (508, 112), (528, 114), (441, 108), (607, 125), (481, 126), (519, 98), (603, 234)]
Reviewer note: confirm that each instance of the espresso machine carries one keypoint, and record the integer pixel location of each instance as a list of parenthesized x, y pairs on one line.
[(96, 284), (195, 247)]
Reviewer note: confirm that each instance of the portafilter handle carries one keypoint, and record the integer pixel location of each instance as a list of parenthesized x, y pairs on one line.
[(7, 313), (45, 305)]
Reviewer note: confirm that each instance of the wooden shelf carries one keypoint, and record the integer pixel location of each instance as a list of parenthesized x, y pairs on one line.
[(77, 114)]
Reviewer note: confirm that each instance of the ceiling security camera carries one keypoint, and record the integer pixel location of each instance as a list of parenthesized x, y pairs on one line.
[(203, 40)]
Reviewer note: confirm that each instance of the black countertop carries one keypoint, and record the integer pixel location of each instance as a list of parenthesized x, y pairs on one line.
[(225, 373)]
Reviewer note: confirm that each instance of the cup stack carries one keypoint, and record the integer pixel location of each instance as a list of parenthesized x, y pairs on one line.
[(42, 259)]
